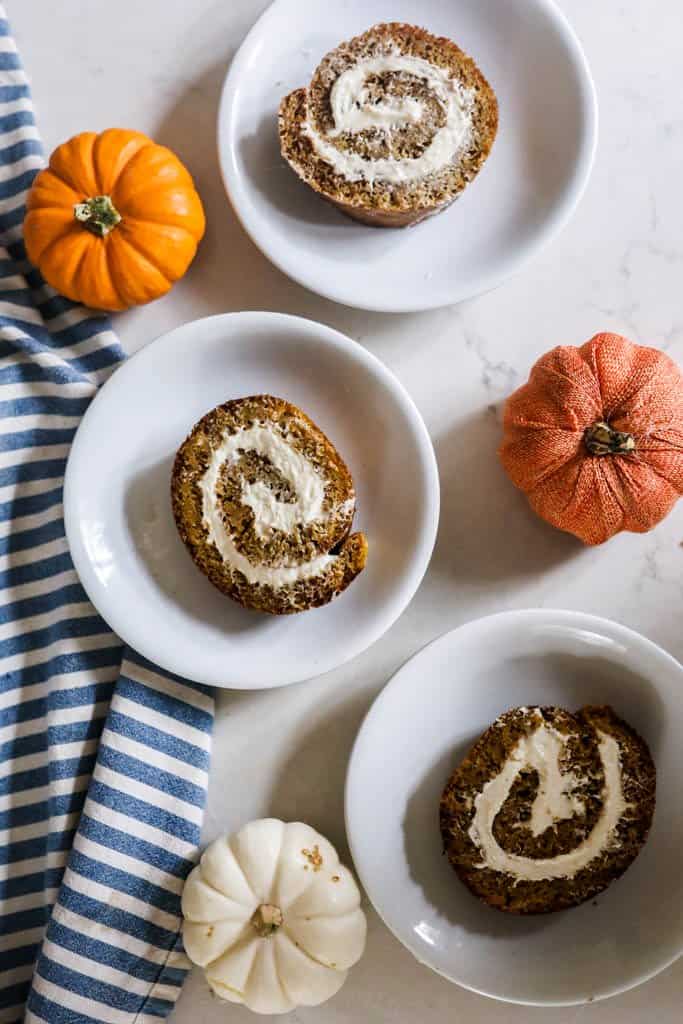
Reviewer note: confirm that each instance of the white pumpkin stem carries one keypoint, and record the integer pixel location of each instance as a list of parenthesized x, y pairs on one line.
[(97, 214), (266, 919), (601, 439)]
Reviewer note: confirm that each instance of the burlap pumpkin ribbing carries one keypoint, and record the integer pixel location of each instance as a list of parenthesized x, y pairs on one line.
[(595, 437)]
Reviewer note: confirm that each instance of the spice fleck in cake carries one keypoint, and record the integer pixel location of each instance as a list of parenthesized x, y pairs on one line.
[(265, 505), (392, 127), (548, 808)]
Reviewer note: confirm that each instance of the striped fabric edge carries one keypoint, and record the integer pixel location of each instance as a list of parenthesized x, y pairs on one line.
[(103, 763), (119, 903)]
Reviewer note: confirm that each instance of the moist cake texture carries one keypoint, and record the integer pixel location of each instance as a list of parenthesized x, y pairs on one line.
[(393, 125), (548, 808), (265, 505)]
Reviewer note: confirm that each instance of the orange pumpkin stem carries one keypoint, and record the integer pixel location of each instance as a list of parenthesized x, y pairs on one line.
[(601, 439), (98, 215)]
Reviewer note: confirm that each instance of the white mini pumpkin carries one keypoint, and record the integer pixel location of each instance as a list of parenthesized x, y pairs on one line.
[(273, 917)]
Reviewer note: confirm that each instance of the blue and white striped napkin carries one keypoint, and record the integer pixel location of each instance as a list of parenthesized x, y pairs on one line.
[(103, 758)]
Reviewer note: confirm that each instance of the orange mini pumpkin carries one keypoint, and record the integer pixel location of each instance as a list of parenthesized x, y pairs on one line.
[(595, 438), (113, 220)]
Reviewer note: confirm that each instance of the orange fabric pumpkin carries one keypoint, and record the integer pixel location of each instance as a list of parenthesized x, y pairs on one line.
[(595, 438), (113, 220)]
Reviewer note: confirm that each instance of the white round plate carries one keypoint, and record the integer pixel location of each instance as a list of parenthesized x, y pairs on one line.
[(420, 728), (526, 191), (117, 503)]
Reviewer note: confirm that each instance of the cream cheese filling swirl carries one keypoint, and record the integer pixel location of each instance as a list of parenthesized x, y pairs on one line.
[(354, 111), (541, 750), (269, 513)]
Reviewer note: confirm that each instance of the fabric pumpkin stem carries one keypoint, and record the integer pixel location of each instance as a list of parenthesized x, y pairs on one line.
[(601, 439)]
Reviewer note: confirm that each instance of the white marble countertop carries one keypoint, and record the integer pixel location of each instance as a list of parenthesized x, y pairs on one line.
[(158, 65)]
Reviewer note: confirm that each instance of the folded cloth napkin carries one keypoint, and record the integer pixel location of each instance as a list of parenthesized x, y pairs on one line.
[(103, 758)]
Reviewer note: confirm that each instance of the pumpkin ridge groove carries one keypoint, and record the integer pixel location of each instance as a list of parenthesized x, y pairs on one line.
[(669, 420), (280, 973), (538, 425), (651, 469), (48, 170), (594, 356), (226, 895), (118, 274), (45, 209), (127, 240), (575, 488), (163, 221), (57, 241), (554, 371), (66, 230), (181, 181), (274, 883), (95, 156), (81, 160), (112, 276), (69, 184), (533, 491), (248, 884), (319, 916), (228, 988), (252, 965), (660, 445), (135, 222), (668, 398), (630, 391), (553, 471), (242, 939), (302, 950), (241, 943), (603, 471)]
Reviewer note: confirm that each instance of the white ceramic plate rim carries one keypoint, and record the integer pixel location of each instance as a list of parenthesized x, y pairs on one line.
[(298, 271), (135, 634), (554, 617)]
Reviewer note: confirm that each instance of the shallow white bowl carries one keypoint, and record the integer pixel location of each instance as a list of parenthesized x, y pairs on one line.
[(526, 191), (423, 724), (117, 503)]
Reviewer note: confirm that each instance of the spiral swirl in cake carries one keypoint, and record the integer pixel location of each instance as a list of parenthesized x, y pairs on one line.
[(548, 807), (265, 505), (392, 126)]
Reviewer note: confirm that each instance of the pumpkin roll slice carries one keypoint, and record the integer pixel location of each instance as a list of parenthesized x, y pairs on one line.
[(265, 506), (393, 126), (548, 808)]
